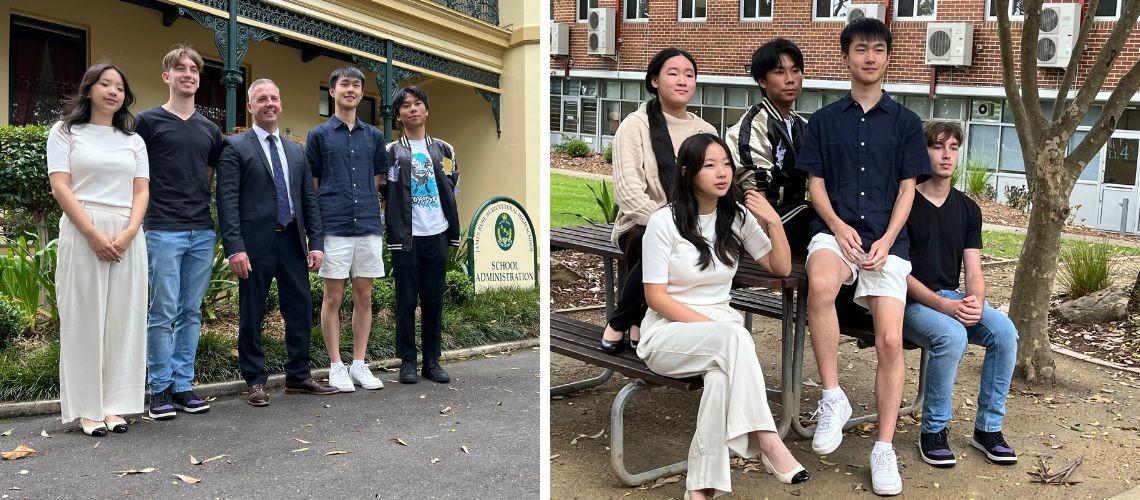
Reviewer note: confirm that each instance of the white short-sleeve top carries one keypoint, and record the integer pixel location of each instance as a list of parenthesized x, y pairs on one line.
[(103, 162), (669, 259)]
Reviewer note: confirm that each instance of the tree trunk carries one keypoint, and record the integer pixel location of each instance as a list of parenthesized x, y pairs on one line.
[(1037, 268)]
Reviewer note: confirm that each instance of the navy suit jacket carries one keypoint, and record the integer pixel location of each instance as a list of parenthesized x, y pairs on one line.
[(247, 198)]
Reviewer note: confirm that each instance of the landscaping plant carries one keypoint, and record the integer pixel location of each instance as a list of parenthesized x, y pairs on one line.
[(24, 186), (222, 288), (1087, 268), (1017, 197), (27, 276), (608, 153), (576, 148), (978, 174)]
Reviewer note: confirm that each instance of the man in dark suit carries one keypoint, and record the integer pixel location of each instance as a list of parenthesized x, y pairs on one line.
[(271, 227)]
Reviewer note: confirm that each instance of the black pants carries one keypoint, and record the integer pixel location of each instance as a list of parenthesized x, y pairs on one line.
[(420, 273), (797, 221), (630, 308), (287, 262)]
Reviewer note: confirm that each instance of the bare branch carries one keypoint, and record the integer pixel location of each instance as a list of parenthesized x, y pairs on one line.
[(1074, 63), (1012, 89), (1109, 116), (1107, 56), (1030, 29)]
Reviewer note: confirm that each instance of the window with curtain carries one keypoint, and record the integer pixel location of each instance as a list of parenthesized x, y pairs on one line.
[(211, 97), (46, 62), (366, 111), (1016, 9), (1108, 8), (831, 8)]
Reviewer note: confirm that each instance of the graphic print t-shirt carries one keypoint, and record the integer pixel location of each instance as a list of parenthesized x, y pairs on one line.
[(427, 214)]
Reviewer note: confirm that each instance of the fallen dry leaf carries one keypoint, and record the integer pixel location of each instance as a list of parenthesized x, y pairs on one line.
[(188, 479), (435, 460), (211, 459), (43, 433), (552, 457), (302, 441), (445, 410), (298, 450), (96, 444), (337, 452), (7, 432), (401, 441), (666, 480), (122, 473), (21, 451), (465, 450)]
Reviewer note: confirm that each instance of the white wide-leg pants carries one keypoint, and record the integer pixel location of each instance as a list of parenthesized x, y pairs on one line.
[(102, 316), (734, 402)]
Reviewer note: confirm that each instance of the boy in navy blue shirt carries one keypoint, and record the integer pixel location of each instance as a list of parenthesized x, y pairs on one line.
[(864, 154)]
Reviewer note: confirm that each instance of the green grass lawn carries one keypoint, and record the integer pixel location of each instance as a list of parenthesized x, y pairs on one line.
[(568, 196), (1008, 245)]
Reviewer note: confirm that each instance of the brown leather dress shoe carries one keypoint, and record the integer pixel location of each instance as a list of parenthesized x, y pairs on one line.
[(257, 395), (310, 386)]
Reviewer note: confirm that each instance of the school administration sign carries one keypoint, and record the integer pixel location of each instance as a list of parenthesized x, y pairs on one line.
[(501, 247)]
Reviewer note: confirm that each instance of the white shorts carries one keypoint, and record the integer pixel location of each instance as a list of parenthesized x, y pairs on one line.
[(890, 281), (362, 255)]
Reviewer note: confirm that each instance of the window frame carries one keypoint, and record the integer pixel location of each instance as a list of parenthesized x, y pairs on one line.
[(582, 15), (83, 37), (377, 116), (991, 15), (636, 19), (933, 14), (771, 7), (681, 15), (815, 13), (1114, 17)]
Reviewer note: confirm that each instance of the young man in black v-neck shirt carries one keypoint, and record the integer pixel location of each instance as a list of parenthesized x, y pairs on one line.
[(183, 147), (945, 228)]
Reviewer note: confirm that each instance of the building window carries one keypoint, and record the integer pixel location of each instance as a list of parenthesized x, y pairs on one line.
[(914, 9), (691, 10), (636, 10), (584, 7), (1016, 9), (46, 63), (829, 9), (755, 9), (1109, 9), (366, 111), (211, 97)]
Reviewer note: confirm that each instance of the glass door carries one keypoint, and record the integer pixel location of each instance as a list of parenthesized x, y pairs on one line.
[(1118, 200)]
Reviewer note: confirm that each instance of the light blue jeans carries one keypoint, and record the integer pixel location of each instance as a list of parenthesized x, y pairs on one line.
[(945, 338), (179, 265)]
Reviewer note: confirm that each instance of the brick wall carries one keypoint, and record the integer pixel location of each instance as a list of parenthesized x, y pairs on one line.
[(723, 44)]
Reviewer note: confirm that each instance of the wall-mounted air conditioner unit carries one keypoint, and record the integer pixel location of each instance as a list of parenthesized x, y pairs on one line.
[(1059, 25), (600, 33), (949, 44), (559, 39), (857, 11)]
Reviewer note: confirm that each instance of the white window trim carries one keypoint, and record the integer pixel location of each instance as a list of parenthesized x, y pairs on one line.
[(816, 17), (990, 16), (931, 17), (682, 19), (633, 20), (1113, 17), (758, 18), (579, 2)]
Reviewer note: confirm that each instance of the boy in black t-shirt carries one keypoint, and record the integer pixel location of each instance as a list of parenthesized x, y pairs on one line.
[(945, 229), (183, 147)]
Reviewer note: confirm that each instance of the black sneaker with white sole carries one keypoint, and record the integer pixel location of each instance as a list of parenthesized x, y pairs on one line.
[(994, 446), (161, 408), (189, 402), (935, 449)]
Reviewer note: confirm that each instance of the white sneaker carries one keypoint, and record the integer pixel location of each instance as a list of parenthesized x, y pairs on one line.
[(831, 415), (338, 377), (885, 479), (363, 376)]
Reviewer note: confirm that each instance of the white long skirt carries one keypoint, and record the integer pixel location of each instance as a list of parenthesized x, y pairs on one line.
[(102, 315), (734, 402)]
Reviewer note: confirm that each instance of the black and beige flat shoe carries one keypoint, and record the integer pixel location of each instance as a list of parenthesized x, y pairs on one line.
[(98, 429)]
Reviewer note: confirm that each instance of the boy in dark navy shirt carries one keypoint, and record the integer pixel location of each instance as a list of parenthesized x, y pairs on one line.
[(946, 227), (863, 154)]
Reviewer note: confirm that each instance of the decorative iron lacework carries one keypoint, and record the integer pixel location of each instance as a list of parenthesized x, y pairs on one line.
[(292, 21), (492, 98), (220, 27), (483, 10), (398, 75)]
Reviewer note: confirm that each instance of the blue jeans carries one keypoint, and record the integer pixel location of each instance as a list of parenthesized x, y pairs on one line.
[(945, 338), (179, 263)]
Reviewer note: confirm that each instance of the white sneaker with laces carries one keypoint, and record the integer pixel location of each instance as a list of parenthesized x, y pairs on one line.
[(831, 415), (363, 376), (338, 377), (885, 479)]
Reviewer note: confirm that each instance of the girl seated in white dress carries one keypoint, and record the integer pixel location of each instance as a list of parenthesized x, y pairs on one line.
[(690, 253)]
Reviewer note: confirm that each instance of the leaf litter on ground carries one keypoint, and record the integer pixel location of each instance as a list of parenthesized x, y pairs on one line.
[(188, 479), (21, 451)]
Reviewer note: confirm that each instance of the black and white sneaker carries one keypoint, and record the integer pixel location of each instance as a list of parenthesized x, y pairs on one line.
[(161, 407), (189, 402), (994, 446), (935, 450)]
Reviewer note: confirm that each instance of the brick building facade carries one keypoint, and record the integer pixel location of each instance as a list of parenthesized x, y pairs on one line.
[(590, 96)]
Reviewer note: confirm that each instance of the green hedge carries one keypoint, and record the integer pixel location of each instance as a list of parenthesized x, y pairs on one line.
[(25, 194)]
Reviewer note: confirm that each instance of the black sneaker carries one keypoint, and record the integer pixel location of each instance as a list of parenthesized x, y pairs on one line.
[(189, 402), (161, 407), (436, 373), (935, 450), (994, 446), (408, 373)]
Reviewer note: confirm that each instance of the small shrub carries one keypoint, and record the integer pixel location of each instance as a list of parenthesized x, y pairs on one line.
[(577, 148), (24, 185), (27, 276), (457, 256), (608, 153), (1017, 197), (1072, 218), (13, 323), (383, 295), (558, 148), (1087, 268), (978, 174), (458, 290), (222, 288), (606, 203)]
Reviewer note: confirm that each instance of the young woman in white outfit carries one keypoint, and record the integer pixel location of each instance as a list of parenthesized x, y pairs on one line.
[(690, 253), (99, 175)]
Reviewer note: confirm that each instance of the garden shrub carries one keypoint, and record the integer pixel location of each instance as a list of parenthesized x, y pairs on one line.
[(1088, 267), (458, 289), (577, 148), (608, 153), (1017, 198), (24, 187), (978, 175), (13, 323), (383, 295)]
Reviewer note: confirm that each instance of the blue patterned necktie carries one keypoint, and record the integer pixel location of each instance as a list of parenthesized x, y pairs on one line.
[(283, 216)]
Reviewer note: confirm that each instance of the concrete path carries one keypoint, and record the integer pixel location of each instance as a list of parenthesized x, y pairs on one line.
[(492, 408), (579, 173), (1067, 236)]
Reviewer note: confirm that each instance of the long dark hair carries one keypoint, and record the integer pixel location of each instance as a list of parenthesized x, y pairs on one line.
[(659, 138), (77, 108), (728, 245)]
